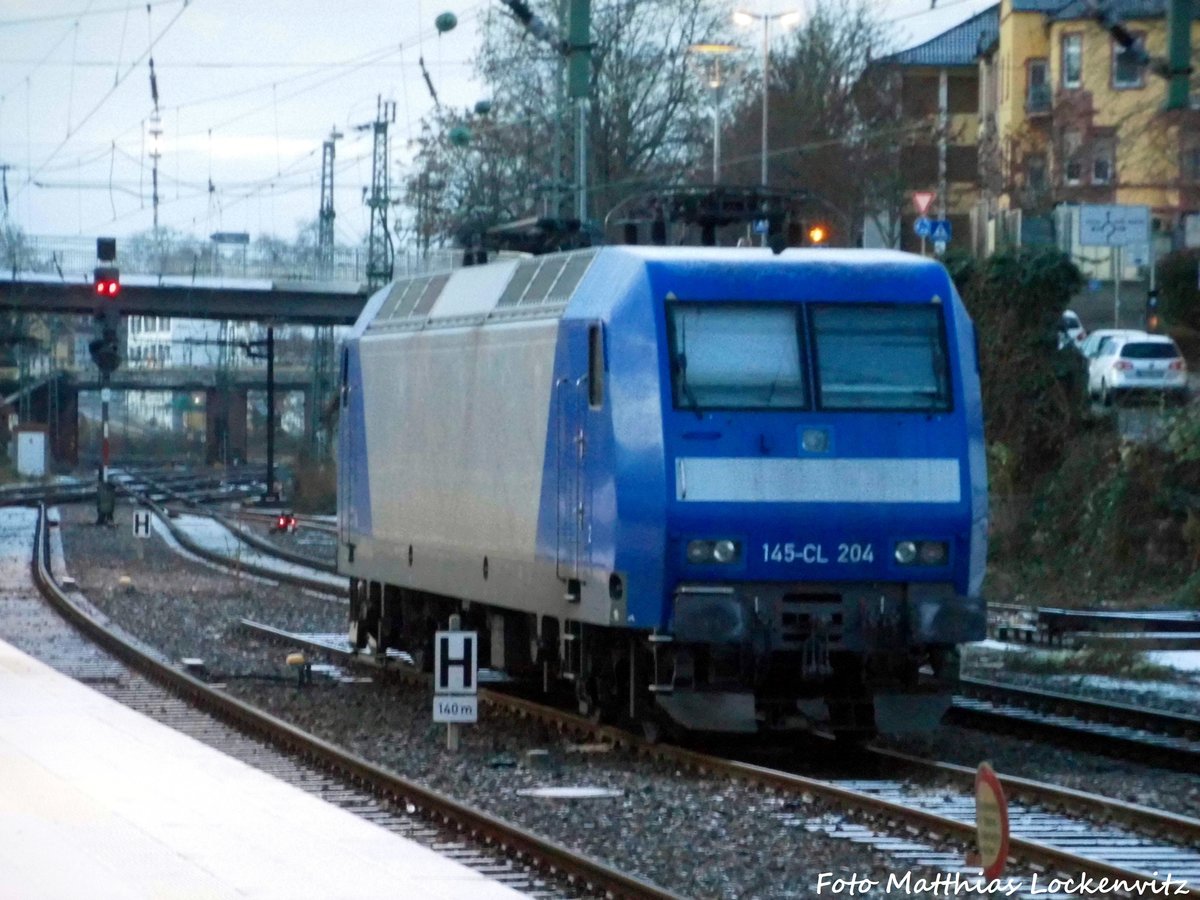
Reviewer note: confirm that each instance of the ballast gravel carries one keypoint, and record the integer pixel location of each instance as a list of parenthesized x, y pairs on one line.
[(698, 836)]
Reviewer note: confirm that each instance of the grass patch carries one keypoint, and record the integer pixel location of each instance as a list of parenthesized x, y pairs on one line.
[(1113, 661)]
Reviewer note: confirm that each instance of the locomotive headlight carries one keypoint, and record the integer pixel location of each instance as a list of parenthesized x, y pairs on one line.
[(933, 553), (725, 551), (924, 553)]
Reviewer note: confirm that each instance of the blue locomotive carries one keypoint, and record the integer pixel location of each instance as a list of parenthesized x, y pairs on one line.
[(713, 489)]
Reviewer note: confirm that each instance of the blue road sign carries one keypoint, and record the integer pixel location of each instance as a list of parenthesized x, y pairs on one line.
[(940, 230), (922, 226), (762, 226)]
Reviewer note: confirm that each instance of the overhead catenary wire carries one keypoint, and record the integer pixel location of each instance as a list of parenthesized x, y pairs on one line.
[(38, 63), (34, 173), (254, 189), (305, 82), (359, 63), (322, 65), (107, 10), (353, 64), (121, 47)]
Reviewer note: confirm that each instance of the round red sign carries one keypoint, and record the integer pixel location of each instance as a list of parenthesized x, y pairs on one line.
[(991, 822)]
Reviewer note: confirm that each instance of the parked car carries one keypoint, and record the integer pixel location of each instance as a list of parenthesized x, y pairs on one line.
[(1070, 330), (1137, 363), (1091, 345)]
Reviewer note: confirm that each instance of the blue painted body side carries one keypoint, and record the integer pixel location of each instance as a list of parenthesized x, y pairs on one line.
[(638, 529), (623, 437), (354, 485)]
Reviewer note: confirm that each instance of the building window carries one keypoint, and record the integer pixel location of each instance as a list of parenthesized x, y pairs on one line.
[(1126, 72), (963, 96), (1037, 96), (1189, 162), (1072, 163), (1035, 172), (919, 163), (1072, 60), (962, 162), (919, 96), (1102, 162)]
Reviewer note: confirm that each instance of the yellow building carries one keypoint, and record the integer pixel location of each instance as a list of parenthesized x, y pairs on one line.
[(1066, 117)]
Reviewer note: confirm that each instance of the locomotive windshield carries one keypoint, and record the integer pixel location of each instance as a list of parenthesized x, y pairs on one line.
[(881, 357), (735, 356), (755, 356)]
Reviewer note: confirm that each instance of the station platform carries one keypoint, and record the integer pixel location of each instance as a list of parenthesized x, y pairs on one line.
[(99, 801)]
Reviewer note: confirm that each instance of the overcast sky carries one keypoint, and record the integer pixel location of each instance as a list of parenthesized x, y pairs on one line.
[(247, 93)]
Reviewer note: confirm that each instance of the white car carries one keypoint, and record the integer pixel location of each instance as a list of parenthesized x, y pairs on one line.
[(1091, 345), (1070, 330), (1137, 363)]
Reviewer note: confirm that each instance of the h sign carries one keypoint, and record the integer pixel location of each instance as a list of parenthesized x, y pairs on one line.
[(455, 662), (141, 523)]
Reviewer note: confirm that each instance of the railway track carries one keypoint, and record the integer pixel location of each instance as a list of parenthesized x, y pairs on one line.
[(1055, 829), (1059, 627), (105, 656), (1155, 736), (183, 485), (1162, 738), (1084, 842)]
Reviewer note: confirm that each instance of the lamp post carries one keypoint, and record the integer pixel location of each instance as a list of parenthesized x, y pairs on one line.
[(786, 20), (713, 55)]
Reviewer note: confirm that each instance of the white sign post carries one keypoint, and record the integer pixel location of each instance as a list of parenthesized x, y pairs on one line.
[(141, 523), (141, 529), (455, 679), (1115, 226)]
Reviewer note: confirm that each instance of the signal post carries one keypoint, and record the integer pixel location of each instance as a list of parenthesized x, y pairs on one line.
[(106, 352)]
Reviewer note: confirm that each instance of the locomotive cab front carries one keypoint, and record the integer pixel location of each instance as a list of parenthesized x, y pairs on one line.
[(824, 509)]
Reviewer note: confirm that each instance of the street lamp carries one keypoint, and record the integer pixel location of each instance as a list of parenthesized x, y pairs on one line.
[(713, 55), (786, 20)]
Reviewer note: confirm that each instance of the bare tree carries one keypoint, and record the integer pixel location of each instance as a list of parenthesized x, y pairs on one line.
[(831, 126), (645, 124)]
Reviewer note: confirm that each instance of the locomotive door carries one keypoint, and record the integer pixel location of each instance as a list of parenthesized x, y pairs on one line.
[(574, 495), (345, 450)]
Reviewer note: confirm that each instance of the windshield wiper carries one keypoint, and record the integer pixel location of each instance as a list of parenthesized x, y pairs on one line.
[(686, 389)]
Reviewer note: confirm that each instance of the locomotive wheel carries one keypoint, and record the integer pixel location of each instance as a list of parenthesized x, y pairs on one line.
[(422, 655), (358, 635), (652, 730), (657, 727), (360, 612), (587, 699), (603, 695), (945, 662)]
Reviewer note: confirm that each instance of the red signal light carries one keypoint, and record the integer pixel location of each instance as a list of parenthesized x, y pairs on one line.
[(107, 280)]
